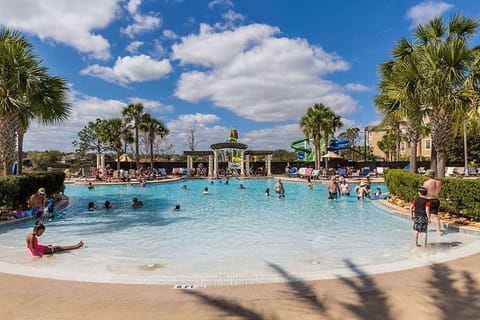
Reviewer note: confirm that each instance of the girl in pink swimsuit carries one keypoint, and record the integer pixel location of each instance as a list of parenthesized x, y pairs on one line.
[(39, 250)]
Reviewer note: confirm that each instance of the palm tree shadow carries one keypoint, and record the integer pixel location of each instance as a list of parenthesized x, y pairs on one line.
[(373, 302), (460, 302), (230, 307), (302, 290)]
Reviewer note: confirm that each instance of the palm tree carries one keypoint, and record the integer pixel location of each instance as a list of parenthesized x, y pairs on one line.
[(399, 97), (319, 120), (451, 70), (153, 127), (26, 92), (114, 132), (133, 113)]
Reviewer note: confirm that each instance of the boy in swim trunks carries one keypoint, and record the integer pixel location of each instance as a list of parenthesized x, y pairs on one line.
[(420, 212), (433, 187)]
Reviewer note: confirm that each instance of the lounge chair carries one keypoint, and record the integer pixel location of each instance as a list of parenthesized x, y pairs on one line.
[(472, 171), (308, 172), (315, 174), (365, 171), (342, 172), (301, 172), (380, 171), (292, 171)]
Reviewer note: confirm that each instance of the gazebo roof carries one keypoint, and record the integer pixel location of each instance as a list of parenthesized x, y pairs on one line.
[(228, 145)]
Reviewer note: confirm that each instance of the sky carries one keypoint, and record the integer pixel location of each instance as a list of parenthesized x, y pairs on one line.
[(252, 65)]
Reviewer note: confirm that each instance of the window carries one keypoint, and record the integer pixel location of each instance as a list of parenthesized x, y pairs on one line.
[(402, 146), (427, 144)]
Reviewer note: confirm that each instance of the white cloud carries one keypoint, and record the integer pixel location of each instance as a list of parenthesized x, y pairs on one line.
[(356, 87), (206, 135), (259, 77), (68, 22), (278, 137), (220, 3), (209, 48), (134, 46), (142, 23), (130, 69), (232, 16), (427, 10), (152, 105), (169, 34)]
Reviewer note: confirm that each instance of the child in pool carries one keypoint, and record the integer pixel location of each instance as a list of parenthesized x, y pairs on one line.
[(39, 250)]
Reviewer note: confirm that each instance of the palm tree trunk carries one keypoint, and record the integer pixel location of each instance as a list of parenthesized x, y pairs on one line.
[(325, 140), (413, 156), (21, 134), (433, 158), (119, 153), (137, 157), (441, 125), (151, 155), (7, 143)]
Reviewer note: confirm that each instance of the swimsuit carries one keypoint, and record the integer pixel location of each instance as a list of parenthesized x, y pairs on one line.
[(420, 222), (332, 195), (434, 206), (38, 247)]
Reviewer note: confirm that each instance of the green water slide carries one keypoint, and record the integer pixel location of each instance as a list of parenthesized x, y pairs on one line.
[(297, 146)]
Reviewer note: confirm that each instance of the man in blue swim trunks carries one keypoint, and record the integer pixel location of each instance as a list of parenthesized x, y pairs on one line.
[(433, 187)]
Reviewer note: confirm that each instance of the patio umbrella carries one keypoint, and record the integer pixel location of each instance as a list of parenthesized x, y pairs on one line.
[(332, 155)]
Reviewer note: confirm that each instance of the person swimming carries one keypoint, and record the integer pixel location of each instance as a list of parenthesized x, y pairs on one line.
[(91, 206), (136, 203), (176, 208)]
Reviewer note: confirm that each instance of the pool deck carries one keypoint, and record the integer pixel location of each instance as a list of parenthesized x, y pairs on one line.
[(449, 290)]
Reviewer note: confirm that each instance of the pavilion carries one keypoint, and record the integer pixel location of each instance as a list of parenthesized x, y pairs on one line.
[(240, 148)]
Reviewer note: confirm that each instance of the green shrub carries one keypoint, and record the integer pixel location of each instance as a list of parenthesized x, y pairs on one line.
[(458, 196), (15, 190)]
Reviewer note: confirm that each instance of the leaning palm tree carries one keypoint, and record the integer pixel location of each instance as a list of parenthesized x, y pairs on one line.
[(26, 92), (48, 106), (153, 128), (399, 99), (133, 113)]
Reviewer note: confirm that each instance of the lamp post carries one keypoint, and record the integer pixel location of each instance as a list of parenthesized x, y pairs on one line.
[(365, 144)]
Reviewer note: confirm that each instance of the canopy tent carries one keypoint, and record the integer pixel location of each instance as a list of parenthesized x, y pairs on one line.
[(332, 155)]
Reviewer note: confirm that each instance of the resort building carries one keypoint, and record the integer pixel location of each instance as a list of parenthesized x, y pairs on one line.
[(374, 134)]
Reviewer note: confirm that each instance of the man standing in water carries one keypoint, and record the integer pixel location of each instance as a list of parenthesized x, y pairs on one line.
[(433, 187)]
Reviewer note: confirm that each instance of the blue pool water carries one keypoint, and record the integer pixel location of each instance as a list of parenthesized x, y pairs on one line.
[(228, 236)]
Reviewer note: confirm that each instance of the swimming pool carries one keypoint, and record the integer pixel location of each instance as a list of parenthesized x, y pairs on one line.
[(230, 236)]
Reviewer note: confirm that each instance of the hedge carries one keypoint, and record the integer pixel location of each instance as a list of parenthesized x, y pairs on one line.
[(458, 196), (15, 190)]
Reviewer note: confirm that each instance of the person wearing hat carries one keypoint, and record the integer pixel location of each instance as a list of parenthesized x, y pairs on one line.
[(420, 212), (37, 202), (362, 190), (433, 187)]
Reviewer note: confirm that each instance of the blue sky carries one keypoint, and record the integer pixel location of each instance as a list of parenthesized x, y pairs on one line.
[(256, 65)]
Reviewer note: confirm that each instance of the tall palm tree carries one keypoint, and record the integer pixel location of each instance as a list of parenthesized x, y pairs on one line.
[(153, 127), (319, 121), (114, 132), (399, 97), (133, 113), (450, 68), (330, 123), (26, 92)]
